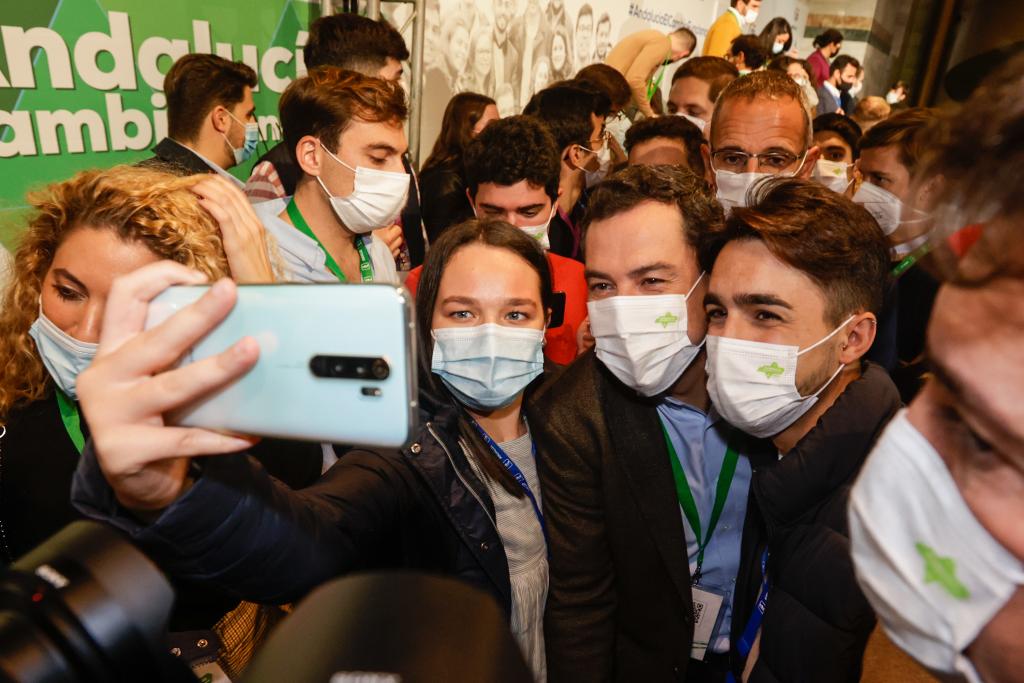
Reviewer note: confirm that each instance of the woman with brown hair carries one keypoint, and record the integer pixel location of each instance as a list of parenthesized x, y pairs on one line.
[(463, 499), (443, 179)]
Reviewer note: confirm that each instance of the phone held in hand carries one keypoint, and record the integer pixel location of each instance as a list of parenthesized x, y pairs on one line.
[(336, 365)]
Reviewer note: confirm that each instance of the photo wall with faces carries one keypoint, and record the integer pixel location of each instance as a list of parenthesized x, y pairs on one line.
[(510, 49)]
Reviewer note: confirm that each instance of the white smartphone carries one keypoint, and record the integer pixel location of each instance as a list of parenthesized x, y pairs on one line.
[(337, 363)]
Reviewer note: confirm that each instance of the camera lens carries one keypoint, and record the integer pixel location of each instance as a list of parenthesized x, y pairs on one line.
[(337, 369), (380, 368)]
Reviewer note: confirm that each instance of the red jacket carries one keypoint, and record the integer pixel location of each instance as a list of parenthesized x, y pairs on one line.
[(567, 277), (819, 68)]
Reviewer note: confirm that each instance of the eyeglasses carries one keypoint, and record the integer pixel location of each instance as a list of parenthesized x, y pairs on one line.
[(598, 143), (736, 161)]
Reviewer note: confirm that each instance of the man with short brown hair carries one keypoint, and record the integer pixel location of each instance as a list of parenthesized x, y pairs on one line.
[(211, 118), (759, 128), (337, 126), (625, 430), (797, 281)]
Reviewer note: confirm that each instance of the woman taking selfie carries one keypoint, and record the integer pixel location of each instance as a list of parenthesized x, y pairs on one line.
[(84, 233), (463, 499)]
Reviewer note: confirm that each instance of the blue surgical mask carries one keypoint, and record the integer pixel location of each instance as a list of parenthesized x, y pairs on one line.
[(252, 138), (487, 366), (63, 356)]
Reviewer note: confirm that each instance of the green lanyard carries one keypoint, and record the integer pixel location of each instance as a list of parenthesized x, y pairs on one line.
[(689, 506), (652, 86), (365, 265), (911, 259), (72, 422)]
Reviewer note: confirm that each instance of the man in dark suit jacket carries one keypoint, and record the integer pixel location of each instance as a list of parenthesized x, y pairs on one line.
[(623, 555), (211, 117)]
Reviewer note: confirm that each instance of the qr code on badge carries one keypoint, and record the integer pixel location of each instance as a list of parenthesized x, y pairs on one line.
[(698, 612)]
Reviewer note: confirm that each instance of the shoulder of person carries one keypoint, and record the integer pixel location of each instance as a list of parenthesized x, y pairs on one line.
[(573, 390)]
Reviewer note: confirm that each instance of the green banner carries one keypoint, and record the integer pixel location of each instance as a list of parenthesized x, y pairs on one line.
[(81, 81)]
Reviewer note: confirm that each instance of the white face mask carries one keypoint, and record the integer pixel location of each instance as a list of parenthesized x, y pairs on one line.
[(885, 207), (604, 158), (933, 573), (643, 340), (487, 366), (753, 384), (700, 123), (832, 174), (892, 97), (617, 126), (63, 356), (733, 187), (541, 232), (376, 201), (777, 48), (751, 16)]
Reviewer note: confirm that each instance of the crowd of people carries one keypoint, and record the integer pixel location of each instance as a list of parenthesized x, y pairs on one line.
[(712, 389)]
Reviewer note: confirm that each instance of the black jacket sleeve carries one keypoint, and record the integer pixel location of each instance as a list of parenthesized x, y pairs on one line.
[(239, 529), (579, 623), (443, 199)]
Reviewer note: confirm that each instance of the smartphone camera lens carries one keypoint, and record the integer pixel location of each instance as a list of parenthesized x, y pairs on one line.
[(337, 369), (380, 368)]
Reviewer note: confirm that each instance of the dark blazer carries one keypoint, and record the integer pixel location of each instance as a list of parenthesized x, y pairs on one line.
[(174, 157), (412, 228), (817, 621), (619, 605), (240, 530), (827, 104), (444, 197)]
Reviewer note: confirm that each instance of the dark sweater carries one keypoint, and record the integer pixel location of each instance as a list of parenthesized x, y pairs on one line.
[(817, 622)]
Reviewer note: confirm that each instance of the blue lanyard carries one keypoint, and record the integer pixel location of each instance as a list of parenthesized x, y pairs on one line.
[(746, 642), (517, 474)]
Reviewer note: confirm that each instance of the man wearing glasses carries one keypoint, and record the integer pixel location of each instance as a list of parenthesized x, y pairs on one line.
[(759, 128), (575, 115)]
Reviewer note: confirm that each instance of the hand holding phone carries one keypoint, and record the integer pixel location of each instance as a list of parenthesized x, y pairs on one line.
[(132, 383)]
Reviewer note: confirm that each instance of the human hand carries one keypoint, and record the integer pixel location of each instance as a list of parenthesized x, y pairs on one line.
[(242, 233), (393, 237), (131, 385)]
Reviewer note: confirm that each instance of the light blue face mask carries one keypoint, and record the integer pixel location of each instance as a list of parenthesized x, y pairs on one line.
[(63, 356), (252, 138), (487, 366)]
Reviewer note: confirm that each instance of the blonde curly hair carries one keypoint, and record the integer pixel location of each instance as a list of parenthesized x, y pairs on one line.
[(140, 205)]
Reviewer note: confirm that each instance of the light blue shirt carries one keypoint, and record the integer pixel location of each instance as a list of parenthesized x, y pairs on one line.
[(700, 443)]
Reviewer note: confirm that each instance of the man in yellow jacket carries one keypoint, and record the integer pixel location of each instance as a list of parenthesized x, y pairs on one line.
[(730, 26), (642, 58)]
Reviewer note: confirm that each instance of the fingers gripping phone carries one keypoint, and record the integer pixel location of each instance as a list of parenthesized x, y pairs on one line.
[(336, 363)]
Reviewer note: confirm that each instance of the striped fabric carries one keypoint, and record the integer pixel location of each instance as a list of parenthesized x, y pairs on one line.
[(264, 184)]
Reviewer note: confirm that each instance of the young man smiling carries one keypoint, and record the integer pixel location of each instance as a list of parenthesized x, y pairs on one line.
[(645, 486), (796, 283)]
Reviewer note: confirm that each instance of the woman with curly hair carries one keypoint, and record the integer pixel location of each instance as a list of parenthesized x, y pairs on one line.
[(83, 233)]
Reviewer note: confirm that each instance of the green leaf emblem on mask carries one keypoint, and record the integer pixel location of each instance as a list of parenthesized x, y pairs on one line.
[(207, 678), (773, 370), (666, 320), (942, 570)]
